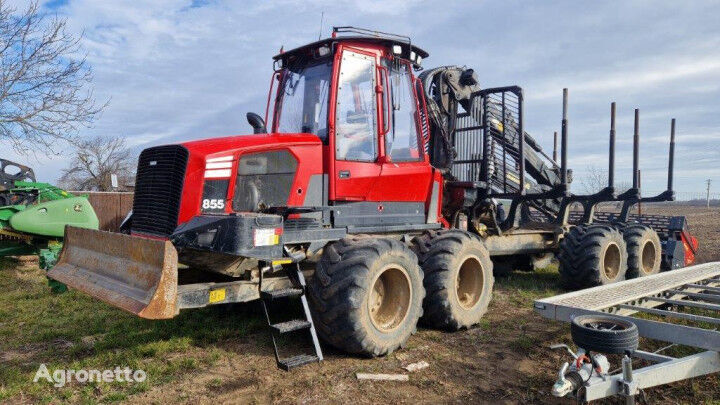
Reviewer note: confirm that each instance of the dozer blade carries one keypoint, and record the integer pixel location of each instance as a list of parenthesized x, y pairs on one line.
[(136, 274)]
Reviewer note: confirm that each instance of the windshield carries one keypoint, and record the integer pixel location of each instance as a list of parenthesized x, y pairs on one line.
[(303, 103)]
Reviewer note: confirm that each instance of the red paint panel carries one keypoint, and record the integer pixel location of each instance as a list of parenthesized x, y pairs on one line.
[(410, 181), (306, 148)]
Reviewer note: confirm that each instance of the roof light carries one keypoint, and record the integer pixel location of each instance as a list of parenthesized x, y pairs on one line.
[(397, 49), (418, 60), (412, 55), (324, 50)]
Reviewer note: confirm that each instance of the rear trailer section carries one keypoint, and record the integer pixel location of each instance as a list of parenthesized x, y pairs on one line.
[(679, 247), (678, 308)]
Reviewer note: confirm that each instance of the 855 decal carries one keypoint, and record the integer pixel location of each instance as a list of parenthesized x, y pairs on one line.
[(214, 196), (213, 204)]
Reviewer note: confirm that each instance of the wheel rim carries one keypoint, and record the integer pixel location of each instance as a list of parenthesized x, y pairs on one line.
[(469, 282), (648, 257), (611, 261), (389, 301), (603, 324)]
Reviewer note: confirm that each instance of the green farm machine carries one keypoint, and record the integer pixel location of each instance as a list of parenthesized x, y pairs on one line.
[(33, 216)]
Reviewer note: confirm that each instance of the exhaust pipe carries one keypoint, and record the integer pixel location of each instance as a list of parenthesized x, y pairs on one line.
[(133, 273)]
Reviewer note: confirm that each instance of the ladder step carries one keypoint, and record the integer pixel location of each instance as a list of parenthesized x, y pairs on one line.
[(297, 361), (283, 293), (289, 326)]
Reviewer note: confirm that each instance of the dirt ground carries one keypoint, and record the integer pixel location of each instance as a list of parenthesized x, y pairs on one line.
[(504, 360)]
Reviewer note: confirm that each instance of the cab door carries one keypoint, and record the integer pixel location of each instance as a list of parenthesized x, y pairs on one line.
[(356, 146), (405, 173)]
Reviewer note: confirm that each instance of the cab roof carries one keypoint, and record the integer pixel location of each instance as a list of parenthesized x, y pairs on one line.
[(374, 37)]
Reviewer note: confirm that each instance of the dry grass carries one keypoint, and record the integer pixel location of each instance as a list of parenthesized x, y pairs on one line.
[(219, 355)]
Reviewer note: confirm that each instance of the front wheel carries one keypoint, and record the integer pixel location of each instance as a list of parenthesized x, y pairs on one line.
[(366, 295)]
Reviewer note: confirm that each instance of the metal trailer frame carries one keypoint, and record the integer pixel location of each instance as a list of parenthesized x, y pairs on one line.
[(659, 295)]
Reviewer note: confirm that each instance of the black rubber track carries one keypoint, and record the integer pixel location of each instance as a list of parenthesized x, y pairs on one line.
[(340, 288), (636, 237), (623, 337), (440, 254), (581, 255)]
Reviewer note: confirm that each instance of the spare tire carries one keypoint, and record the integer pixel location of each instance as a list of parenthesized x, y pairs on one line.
[(604, 334)]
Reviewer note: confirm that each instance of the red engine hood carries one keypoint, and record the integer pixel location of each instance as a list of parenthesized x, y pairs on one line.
[(230, 145), (307, 148)]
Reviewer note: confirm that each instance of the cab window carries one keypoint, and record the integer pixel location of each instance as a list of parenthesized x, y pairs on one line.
[(401, 142), (303, 98), (356, 118)]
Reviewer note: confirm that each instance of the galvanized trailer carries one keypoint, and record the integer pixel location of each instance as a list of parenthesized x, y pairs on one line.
[(664, 307)]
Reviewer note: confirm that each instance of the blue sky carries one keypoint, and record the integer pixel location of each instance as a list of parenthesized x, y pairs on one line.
[(180, 70)]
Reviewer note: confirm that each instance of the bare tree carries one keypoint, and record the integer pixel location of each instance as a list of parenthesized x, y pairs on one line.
[(46, 90), (596, 179), (93, 163)]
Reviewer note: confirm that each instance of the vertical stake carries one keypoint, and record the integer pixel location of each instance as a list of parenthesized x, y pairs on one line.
[(671, 159), (611, 163), (636, 148), (563, 139)]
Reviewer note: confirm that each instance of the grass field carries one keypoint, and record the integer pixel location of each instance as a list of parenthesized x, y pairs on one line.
[(224, 354)]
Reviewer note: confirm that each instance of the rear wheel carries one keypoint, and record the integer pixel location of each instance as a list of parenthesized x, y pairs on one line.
[(366, 295), (458, 278), (592, 255), (644, 251)]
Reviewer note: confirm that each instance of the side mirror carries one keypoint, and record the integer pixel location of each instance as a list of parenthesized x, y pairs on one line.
[(257, 123)]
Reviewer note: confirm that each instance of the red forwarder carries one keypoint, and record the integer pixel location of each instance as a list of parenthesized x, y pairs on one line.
[(385, 189)]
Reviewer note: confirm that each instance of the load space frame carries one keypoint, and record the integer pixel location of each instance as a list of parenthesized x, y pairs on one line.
[(681, 307)]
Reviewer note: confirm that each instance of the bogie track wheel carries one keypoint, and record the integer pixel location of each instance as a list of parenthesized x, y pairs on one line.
[(644, 251), (592, 255), (458, 278)]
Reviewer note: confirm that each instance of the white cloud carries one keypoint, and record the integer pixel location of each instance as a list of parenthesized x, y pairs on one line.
[(176, 72)]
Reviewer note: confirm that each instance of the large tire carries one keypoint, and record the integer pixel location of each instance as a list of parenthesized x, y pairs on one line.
[(644, 251), (604, 334), (366, 295), (592, 255), (458, 278)]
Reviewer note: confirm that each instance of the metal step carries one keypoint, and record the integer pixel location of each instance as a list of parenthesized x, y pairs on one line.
[(306, 324), (289, 326), (283, 293), (297, 361)]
